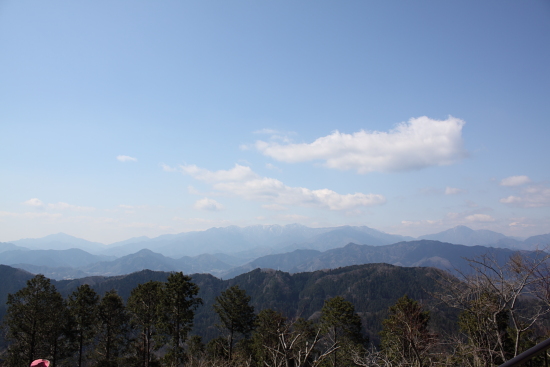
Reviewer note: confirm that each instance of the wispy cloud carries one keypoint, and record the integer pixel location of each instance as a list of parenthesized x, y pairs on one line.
[(419, 143), (37, 203), (167, 168), (126, 158), (208, 204), (30, 215), (475, 218), (237, 173), (272, 167), (34, 202), (65, 206), (453, 191), (274, 207), (515, 181), (241, 181), (479, 218), (534, 196)]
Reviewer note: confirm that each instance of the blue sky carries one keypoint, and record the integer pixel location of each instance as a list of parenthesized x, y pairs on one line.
[(122, 119)]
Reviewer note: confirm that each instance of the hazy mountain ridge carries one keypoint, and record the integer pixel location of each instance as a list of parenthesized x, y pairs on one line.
[(316, 251), (60, 241), (8, 246), (445, 256), (253, 241), (73, 257), (147, 259), (462, 235)]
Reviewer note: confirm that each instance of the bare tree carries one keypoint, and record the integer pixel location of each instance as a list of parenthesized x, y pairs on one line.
[(290, 344), (499, 303)]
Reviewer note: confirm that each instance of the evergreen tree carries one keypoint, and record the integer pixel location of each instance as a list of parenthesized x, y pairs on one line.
[(113, 329), (179, 302), (342, 327), (405, 337), (235, 312), (36, 323), (266, 339), (83, 306), (61, 336), (143, 306)]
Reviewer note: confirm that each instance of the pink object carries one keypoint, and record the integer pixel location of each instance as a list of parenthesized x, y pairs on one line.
[(40, 363)]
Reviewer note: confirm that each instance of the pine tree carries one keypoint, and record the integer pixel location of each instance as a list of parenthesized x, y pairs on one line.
[(113, 323), (342, 327), (405, 338), (179, 302), (144, 306), (36, 323), (266, 339), (84, 306), (236, 314)]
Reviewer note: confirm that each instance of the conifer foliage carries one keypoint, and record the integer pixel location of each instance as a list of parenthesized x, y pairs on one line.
[(36, 323), (235, 313), (178, 304), (83, 308), (406, 339)]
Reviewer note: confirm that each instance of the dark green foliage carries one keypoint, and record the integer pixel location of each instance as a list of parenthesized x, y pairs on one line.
[(178, 304), (266, 336), (217, 348), (405, 335), (195, 346), (342, 328), (143, 307), (13, 280), (84, 308), (113, 330), (37, 323), (235, 313)]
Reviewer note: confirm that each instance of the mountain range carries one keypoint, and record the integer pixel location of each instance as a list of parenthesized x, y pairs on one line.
[(230, 251)]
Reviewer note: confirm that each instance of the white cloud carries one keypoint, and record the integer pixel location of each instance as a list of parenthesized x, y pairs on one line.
[(515, 181), (453, 191), (167, 168), (520, 224), (530, 197), (243, 182), (208, 204), (423, 222), (269, 189), (237, 173), (29, 215), (125, 158), (37, 203), (479, 218), (65, 206), (419, 143)]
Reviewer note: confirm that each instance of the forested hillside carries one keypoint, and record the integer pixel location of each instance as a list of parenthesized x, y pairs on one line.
[(372, 288), (336, 314)]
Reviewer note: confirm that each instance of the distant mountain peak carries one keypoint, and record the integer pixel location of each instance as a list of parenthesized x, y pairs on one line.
[(462, 235)]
